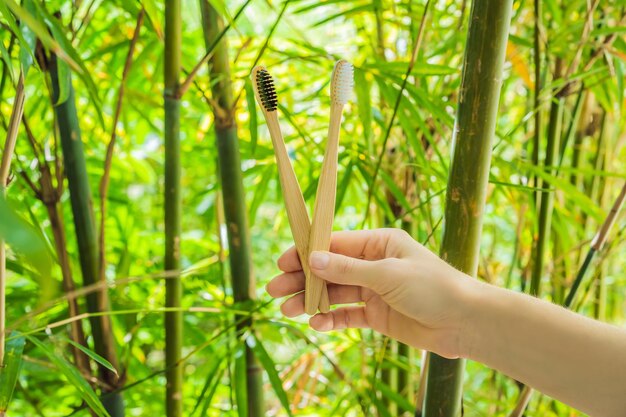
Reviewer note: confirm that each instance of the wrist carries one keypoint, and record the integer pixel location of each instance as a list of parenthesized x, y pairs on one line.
[(457, 335), (472, 301)]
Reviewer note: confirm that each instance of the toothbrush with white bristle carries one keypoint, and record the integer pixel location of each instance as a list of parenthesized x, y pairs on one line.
[(341, 85)]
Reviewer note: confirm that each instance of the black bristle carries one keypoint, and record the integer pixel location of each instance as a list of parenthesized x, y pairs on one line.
[(267, 91)]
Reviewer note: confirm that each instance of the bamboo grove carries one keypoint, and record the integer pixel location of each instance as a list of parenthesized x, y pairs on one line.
[(141, 212)]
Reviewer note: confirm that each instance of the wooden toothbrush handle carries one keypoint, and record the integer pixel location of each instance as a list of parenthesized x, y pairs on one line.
[(294, 201), (316, 295)]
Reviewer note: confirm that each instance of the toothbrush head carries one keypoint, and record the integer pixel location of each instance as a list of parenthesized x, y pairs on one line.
[(266, 90), (342, 82)]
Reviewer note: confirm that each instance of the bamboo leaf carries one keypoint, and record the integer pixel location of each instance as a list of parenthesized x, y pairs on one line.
[(317, 4), (93, 355), (582, 201), (240, 378), (364, 103), (41, 32), (64, 82), (25, 36), (211, 393), (270, 367), (210, 384), (342, 188), (73, 377), (394, 396), (6, 57), (154, 14), (254, 123), (397, 193), (260, 191), (383, 411), (59, 35), (23, 238), (14, 348), (346, 13), (607, 30), (400, 68)]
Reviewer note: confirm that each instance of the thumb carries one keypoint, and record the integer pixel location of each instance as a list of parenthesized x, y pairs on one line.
[(345, 270)]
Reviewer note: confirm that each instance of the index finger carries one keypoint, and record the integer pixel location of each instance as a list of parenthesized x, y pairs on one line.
[(371, 245), (289, 261)]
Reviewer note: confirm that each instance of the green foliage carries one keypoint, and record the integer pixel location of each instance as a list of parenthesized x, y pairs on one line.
[(10, 370), (24, 239), (73, 376), (304, 372)]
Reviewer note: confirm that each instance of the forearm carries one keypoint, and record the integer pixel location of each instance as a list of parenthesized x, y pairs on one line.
[(571, 358)]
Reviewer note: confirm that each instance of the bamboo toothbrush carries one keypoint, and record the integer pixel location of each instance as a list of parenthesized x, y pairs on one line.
[(341, 85), (299, 222)]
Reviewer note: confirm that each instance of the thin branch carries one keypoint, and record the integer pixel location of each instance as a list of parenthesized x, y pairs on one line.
[(606, 44), (101, 285), (106, 176), (37, 151), (5, 165), (599, 52), (416, 48), (263, 48), (14, 124), (84, 21), (583, 39), (192, 74)]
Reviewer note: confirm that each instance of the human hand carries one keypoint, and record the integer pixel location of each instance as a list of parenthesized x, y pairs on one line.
[(406, 291)]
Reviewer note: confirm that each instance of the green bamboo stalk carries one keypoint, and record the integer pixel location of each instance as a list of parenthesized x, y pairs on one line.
[(571, 130), (173, 208), (469, 175), (240, 258), (82, 209), (598, 165), (579, 134), (537, 96), (547, 196), (404, 380), (388, 375)]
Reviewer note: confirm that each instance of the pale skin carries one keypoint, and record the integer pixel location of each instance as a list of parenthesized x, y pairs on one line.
[(397, 287)]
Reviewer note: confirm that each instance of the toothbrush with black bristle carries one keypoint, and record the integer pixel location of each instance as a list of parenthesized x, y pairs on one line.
[(341, 85), (299, 222)]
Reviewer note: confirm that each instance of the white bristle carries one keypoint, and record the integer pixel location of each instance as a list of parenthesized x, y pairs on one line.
[(342, 82)]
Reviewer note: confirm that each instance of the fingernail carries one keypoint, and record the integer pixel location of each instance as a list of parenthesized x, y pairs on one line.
[(319, 260)]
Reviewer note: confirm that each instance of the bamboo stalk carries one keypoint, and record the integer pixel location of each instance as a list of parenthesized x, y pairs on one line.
[(5, 166), (240, 258), (82, 209), (537, 95), (469, 174), (524, 398), (547, 196), (421, 390), (173, 208)]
